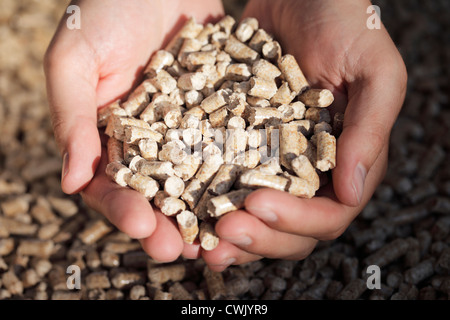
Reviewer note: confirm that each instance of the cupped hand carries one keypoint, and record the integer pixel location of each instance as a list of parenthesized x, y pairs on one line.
[(362, 67), (90, 67)]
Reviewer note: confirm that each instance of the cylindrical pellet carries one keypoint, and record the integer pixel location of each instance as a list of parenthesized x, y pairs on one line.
[(192, 81), (293, 74), (187, 224), (148, 149), (262, 88), (256, 179), (104, 113), (305, 170), (326, 151), (292, 143), (228, 202), (284, 95), (168, 205), (271, 50), (92, 233), (118, 173), (224, 179), (299, 187), (174, 186), (215, 284), (159, 170), (319, 98), (246, 28), (190, 29), (208, 236), (187, 169), (114, 148), (259, 116), (159, 60), (215, 101), (143, 184), (239, 51)]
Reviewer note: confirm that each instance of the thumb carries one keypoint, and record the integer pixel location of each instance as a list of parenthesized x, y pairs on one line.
[(374, 103), (72, 99)]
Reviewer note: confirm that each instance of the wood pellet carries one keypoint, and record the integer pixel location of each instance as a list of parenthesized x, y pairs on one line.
[(253, 87)]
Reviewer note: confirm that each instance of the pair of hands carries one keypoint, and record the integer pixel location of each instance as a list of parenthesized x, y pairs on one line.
[(88, 68)]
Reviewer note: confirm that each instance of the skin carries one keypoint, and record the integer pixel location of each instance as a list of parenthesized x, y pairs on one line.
[(92, 66)]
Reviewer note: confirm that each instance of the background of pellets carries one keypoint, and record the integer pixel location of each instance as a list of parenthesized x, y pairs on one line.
[(405, 228)]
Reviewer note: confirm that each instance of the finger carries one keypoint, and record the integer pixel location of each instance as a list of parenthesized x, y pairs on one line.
[(374, 102), (226, 254), (128, 210), (319, 217), (71, 81), (165, 244), (192, 251), (249, 233)]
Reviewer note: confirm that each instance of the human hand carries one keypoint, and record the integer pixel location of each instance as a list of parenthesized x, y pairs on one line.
[(367, 76), (93, 66)]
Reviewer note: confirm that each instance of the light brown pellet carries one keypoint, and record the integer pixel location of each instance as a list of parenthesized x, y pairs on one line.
[(271, 50), (148, 149), (95, 231), (188, 168), (36, 248), (239, 51), (299, 187), (293, 74), (326, 151), (159, 60), (104, 113), (159, 170), (163, 81), (134, 134), (98, 280), (174, 186), (228, 202), (136, 102), (190, 29), (246, 28), (118, 173), (292, 143), (208, 237), (319, 98), (256, 179), (287, 113), (6, 246), (168, 205), (305, 170), (15, 227), (284, 95), (259, 116), (129, 151), (215, 101), (163, 274), (262, 88), (318, 115), (192, 81), (16, 206), (187, 224)]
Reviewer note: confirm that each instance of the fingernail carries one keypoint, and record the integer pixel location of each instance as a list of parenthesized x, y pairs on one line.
[(359, 176), (263, 213), (240, 241), (65, 165)]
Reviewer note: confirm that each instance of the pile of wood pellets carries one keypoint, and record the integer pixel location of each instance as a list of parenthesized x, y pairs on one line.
[(221, 112), (405, 228)]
